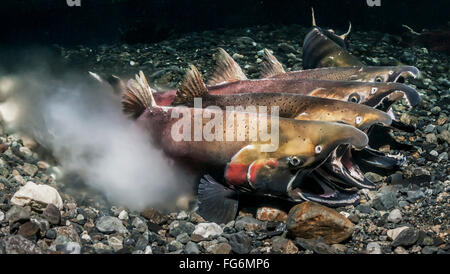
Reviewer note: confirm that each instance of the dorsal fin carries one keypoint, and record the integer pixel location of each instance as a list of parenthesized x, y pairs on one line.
[(270, 66), (227, 70), (313, 18), (138, 96), (192, 86), (343, 36)]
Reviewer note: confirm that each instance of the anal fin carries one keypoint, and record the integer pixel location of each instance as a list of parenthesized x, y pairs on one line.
[(216, 203)]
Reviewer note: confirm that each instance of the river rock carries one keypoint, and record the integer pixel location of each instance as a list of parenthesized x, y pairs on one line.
[(207, 230), (16, 214), (240, 242), (17, 244), (154, 216), (52, 214), (109, 224), (37, 195), (247, 223), (271, 214), (310, 220), (283, 245)]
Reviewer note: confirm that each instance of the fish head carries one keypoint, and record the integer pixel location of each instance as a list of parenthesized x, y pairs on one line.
[(380, 74), (357, 115), (378, 94)]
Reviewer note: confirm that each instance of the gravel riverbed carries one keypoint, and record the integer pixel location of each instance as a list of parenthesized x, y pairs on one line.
[(407, 213)]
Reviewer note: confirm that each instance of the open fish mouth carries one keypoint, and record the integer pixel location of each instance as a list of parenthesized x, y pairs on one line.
[(319, 189), (374, 160), (343, 171), (396, 93)]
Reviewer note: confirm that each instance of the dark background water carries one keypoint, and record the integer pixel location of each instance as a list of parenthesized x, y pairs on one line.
[(108, 21)]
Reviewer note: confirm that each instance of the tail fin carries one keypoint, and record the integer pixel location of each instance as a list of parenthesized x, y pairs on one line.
[(270, 66), (138, 96), (227, 70), (192, 86)]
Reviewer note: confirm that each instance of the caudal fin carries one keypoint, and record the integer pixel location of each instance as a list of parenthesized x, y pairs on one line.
[(138, 96)]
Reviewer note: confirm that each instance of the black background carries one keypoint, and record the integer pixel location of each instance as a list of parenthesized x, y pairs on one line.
[(108, 21)]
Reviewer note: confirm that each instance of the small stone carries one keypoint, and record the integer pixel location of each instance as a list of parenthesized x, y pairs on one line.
[(30, 169), (50, 234), (183, 238), (429, 250), (17, 244), (139, 224), (364, 208), (393, 233), (37, 195), (178, 227), (16, 214), (283, 245), (43, 165), (2, 216), (191, 248), (311, 220), (28, 229), (414, 196), (373, 248), (400, 250), (123, 215), (148, 250), (182, 215), (240, 242), (406, 237), (109, 224), (154, 216), (385, 201), (52, 214), (68, 232), (374, 177), (174, 246), (221, 248), (247, 223), (69, 248), (116, 243), (395, 216), (207, 230), (271, 214), (429, 128)]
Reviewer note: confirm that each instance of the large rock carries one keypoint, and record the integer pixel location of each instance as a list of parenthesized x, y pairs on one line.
[(17, 244), (310, 220), (37, 196), (16, 214), (240, 242)]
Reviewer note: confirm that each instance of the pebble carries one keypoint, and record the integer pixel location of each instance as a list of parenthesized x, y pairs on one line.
[(116, 243), (139, 224), (373, 248), (30, 169), (406, 237), (247, 223), (240, 242), (400, 250), (414, 196), (37, 195), (52, 214), (307, 220), (221, 248), (271, 214), (183, 238), (123, 215), (69, 248), (283, 245), (385, 201), (17, 213), (191, 248), (207, 230), (154, 216), (17, 244), (178, 227), (393, 233), (109, 224), (395, 216)]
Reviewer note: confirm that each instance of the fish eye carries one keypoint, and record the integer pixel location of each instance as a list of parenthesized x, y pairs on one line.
[(318, 149), (295, 161), (358, 120), (354, 98), (378, 79), (373, 90)]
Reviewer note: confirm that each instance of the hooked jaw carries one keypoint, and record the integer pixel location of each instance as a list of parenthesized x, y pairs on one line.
[(391, 94), (400, 73)]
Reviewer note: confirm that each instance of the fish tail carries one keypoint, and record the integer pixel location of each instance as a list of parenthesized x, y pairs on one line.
[(138, 96)]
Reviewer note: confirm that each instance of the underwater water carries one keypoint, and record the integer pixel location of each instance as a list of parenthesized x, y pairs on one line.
[(119, 193)]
